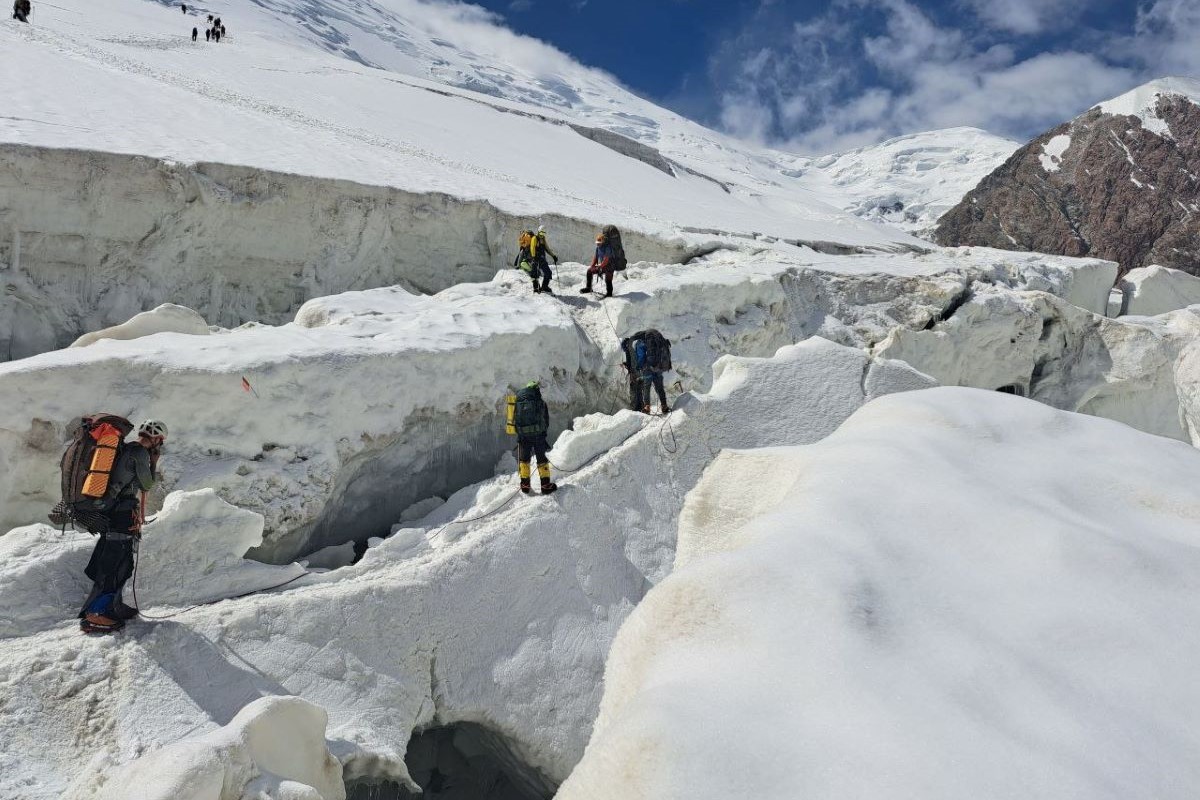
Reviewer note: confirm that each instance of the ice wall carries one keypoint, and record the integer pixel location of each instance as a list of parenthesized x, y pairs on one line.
[(89, 239)]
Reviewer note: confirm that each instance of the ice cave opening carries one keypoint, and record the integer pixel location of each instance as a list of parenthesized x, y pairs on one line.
[(1012, 388), (461, 761)]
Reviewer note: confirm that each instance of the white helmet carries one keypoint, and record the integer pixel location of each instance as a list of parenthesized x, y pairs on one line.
[(541, 229), (152, 427)]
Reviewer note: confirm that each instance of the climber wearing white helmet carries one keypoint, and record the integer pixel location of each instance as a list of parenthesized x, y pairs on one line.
[(133, 474)]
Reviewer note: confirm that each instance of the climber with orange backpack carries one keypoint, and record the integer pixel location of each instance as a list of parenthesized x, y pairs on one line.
[(104, 485)]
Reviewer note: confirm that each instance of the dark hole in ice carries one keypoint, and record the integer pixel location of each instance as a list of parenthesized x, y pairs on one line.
[(1012, 388), (462, 761)]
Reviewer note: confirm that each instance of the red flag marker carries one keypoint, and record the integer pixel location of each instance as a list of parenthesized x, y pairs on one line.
[(246, 387)]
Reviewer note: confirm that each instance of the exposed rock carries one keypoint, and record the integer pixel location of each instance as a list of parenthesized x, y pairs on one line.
[(1119, 182)]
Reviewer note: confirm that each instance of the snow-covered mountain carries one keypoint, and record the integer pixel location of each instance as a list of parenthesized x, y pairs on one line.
[(1118, 182), (216, 175), (907, 182)]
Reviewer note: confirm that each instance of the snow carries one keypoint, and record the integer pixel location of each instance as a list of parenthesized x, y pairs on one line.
[(383, 382), (505, 620), (1142, 102), (269, 98), (1052, 152), (907, 182), (274, 746), (1017, 622), (1156, 290), (193, 552), (1123, 369), (167, 318)]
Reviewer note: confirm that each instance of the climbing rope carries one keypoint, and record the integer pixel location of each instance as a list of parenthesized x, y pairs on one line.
[(137, 557), (485, 515)]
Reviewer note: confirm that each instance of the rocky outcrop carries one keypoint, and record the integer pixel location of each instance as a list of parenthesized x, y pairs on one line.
[(1120, 182)]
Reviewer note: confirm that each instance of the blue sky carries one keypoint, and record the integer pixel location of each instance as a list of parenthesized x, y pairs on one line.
[(820, 76)]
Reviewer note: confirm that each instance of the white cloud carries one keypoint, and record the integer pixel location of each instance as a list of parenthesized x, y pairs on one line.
[(830, 86), (1025, 16)]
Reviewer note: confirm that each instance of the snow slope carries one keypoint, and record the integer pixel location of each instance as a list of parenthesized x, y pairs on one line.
[(1015, 621), (267, 98), (1142, 102), (906, 182)]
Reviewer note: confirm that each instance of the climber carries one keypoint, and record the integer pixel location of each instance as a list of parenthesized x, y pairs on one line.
[(184, 7), (539, 248), (111, 564), (216, 34), (647, 357), (601, 265), (531, 421), (208, 34), (195, 33), (21, 10), (525, 260)]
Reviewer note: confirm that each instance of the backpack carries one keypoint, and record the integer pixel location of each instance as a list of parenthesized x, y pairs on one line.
[(86, 469), (657, 351), (612, 238), (524, 240), (529, 414), (536, 245)]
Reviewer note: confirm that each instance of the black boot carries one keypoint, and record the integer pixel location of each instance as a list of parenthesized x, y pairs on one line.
[(525, 487), (548, 487)]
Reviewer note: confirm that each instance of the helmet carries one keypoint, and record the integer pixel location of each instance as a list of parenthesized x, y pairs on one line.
[(541, 229), (152, 427), (533, 385)]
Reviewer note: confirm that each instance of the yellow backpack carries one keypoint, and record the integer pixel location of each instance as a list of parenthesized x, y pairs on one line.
[(538, 242)]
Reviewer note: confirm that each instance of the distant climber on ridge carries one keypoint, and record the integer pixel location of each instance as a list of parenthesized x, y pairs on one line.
[(184, 7), (104, 481), (195, 33), (529, 419), (21, 10), (609, 258), (539, 248), (208, 34), (647, 357)]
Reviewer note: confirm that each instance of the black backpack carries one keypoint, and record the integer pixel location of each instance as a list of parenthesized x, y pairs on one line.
[(529, 417), (612, 237), (658, 349), (87, 494)]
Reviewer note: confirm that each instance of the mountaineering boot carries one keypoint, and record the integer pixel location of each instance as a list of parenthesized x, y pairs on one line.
[(123, 612), (98, 623), (645, 409), (525, 487), (585, 290), (548, 487)]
